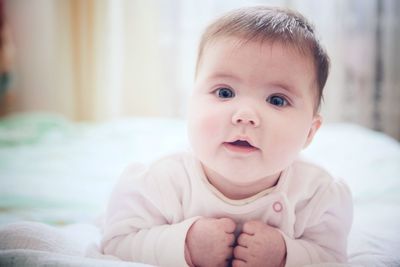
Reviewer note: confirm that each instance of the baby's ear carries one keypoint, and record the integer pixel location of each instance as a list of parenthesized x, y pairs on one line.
[(315, 124)]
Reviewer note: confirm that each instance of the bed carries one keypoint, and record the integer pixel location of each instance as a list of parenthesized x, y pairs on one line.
[(56, 176)]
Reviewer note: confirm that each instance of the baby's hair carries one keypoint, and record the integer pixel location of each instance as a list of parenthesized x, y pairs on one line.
[(261, 23)]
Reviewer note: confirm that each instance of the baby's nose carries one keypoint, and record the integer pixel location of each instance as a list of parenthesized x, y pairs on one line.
[(246, 116)]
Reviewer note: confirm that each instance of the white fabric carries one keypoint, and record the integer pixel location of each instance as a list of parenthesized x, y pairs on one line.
[(38, 244), (152, 208)]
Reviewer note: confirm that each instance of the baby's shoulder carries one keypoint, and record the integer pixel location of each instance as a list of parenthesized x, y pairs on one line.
[(307, 176), (175, 163), (172, 168), (165, 163), (311, 171), (309, 182)]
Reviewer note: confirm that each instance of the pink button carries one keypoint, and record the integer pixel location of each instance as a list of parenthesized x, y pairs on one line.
[(277, 206)]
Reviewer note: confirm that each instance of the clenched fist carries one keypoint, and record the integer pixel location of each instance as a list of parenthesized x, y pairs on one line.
[(209, 242), (259, 245)]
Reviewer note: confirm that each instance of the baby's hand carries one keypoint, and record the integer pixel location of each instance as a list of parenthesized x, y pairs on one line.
[(259, 245), (209, 242)]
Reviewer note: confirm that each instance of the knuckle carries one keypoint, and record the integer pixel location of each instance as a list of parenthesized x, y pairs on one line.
[(231, 222), (237, 251), (241, 239), (228, 224), (237, 263), (250, 226)]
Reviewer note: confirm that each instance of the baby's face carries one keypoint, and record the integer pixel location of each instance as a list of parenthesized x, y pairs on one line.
[(252, 109)]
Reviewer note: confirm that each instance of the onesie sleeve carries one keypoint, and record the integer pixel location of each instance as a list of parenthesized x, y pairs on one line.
[(322, 227), (144, 220)]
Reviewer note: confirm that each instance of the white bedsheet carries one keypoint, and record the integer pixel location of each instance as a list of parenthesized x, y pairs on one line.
[(38, 244), (55, 178)]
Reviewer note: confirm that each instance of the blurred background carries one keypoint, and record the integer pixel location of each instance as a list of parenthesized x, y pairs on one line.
[(97, 60)]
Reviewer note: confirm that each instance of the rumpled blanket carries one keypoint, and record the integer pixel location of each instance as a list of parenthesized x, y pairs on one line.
[(38, 244)]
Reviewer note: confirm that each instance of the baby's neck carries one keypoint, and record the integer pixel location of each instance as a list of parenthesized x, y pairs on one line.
[(238, 191)]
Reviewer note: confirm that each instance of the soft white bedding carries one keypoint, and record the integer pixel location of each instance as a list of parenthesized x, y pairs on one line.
[(60, 173)]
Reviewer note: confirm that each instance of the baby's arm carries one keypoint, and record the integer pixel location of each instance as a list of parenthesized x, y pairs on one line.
[(144, 221), (209, 242), (322, 227)]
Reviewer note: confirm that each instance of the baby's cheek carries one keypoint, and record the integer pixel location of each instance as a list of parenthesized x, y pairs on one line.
[(209, 126), (206, 124)]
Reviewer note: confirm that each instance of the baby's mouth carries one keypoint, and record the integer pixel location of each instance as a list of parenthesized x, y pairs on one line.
[(240, 146), (241, 143)]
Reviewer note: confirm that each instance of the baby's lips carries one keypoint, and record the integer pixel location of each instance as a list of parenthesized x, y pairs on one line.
[(242, 141)]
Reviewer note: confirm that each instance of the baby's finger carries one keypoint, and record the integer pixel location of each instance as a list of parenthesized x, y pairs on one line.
[(230, 239), (244, 240), (251, 227), (240, 253), (238, 263), (228, 224), (229, 254)]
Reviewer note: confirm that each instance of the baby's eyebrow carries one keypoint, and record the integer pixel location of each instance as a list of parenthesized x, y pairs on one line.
[(223, 75), (288, 88)]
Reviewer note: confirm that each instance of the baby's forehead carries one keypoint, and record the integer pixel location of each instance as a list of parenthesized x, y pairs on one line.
[(232, 44)]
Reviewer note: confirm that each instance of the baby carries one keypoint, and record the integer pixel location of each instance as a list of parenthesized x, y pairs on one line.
[(241, 197)]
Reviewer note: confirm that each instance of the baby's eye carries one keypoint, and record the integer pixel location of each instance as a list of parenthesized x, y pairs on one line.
[(278, 101), (225, 93)]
